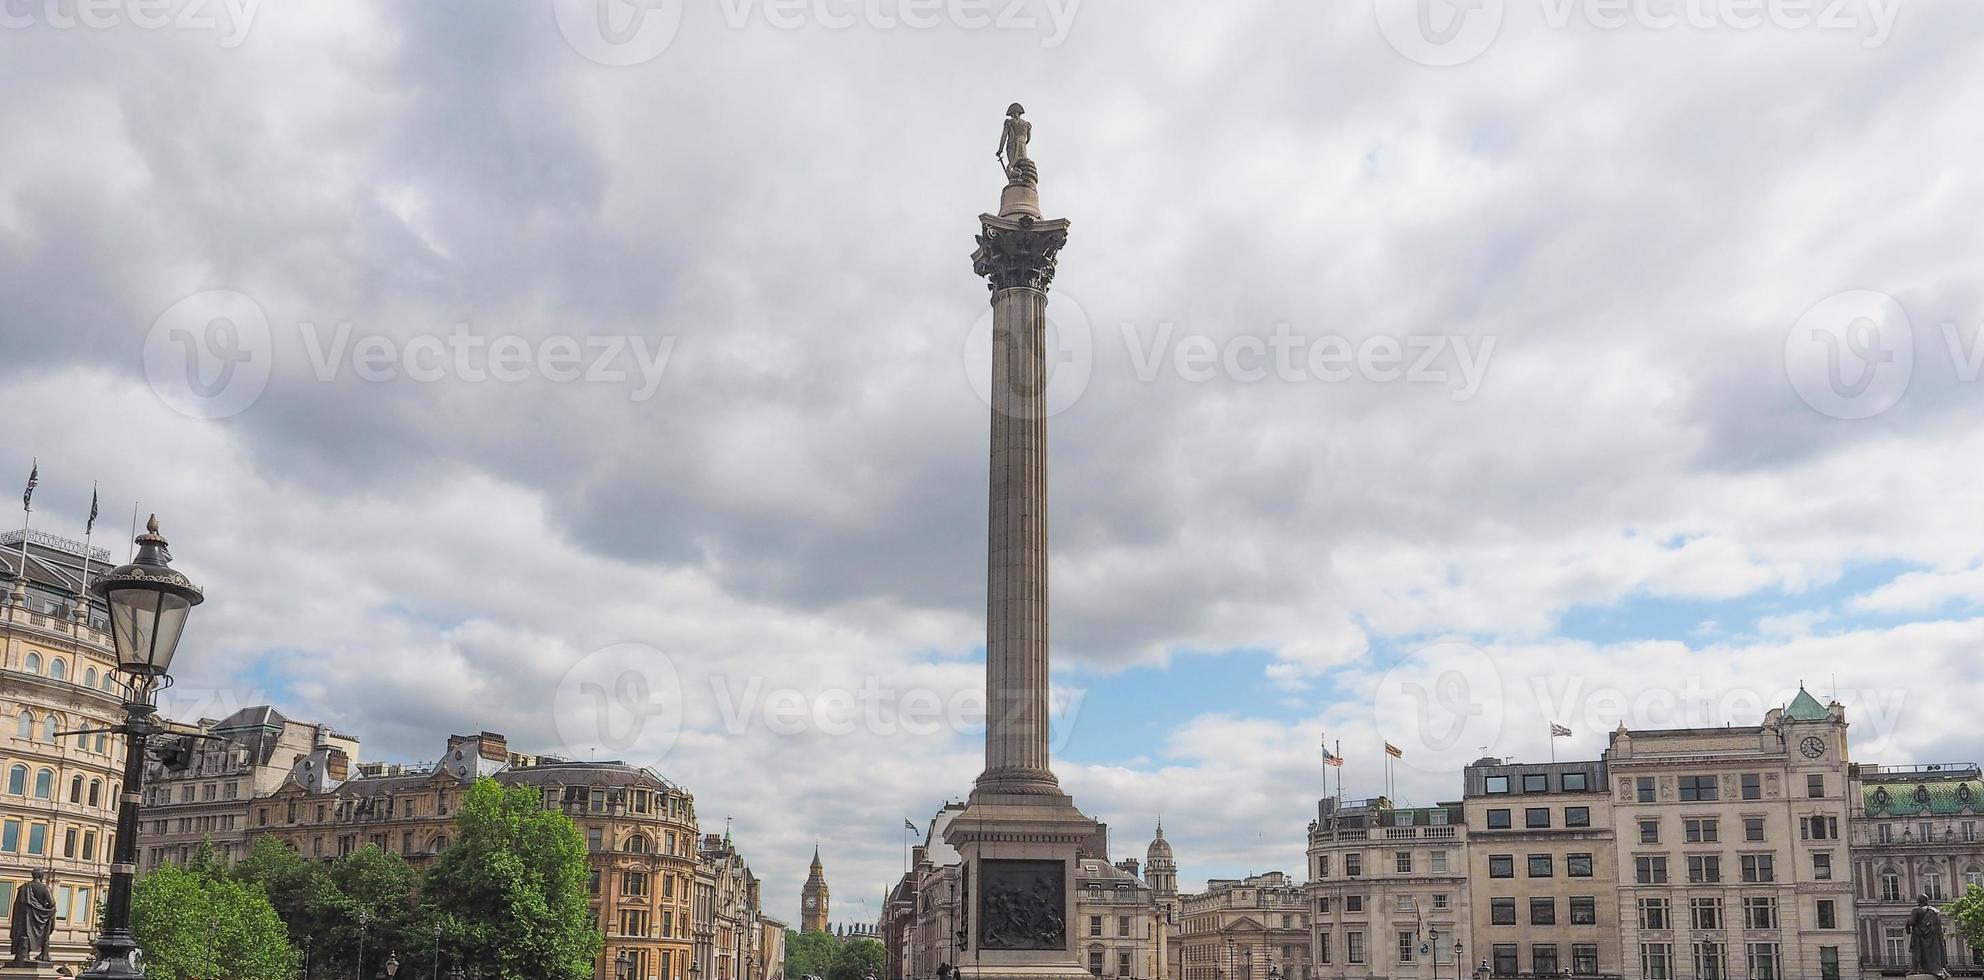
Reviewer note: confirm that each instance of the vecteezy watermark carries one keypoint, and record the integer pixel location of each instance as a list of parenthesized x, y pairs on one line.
[(1443, 33), (211, 355), (629, 698), (231, 19), (1456, 363), (1067, 351), (619, 33), (1440, 33), (1442, 706), (1852, 355), (470, 357)]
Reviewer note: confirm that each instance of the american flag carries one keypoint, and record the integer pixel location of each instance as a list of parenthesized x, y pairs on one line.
[(34, 477), (1394, 751), (1330, 758)]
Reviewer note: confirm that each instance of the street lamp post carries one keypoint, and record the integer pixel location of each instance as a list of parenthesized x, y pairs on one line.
[(363, 918), (307, 940), (148, 603), (1460, 959), (392, 966), (437, 951)]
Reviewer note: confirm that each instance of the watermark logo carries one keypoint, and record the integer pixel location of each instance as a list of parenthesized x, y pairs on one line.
[(1456, 363), (618, 33), (209, 355), (230, 19), (1022, 391), (1440, 33), (1852, 355), (617, 698), (1441, 706)]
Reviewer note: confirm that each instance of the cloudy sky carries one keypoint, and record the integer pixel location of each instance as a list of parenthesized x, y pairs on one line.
[(615, 384)]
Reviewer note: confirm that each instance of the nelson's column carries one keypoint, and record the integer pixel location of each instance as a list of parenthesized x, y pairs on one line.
[(1019, 834)]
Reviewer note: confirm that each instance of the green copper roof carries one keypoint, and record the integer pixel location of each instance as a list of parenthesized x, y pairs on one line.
[(1932, 797), (1805, 707)]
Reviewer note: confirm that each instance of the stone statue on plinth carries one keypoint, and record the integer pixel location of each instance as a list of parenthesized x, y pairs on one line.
[(1012, 153), (32, 921), (1925, 940)]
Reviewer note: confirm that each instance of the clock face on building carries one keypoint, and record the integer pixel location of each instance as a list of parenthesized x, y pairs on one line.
[(812, 902), (1813, 747)]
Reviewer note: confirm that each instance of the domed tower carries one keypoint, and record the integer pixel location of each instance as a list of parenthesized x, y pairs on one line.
[(1160, 869), (813, 897)]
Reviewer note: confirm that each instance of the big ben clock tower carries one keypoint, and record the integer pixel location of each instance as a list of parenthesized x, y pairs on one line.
[(813, 898)]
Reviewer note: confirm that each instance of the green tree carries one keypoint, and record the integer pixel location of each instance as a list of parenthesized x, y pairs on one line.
[(513, 889), (809, 954), (858, 958), (198, 924), (1967, 916)]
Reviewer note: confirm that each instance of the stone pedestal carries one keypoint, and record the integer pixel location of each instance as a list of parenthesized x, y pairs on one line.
[(39, 971), (1020, 856)]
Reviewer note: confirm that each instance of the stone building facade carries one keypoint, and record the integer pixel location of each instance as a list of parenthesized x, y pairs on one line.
[(1116, 920), (1387, 890), (1731, 849), (726, 927), (1916, 830), (58, 793), (1240, 929), (1542, 869), (1161, 870), (251, 754)]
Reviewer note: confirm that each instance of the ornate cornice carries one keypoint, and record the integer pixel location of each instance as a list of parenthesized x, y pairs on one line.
[(1018, 253)]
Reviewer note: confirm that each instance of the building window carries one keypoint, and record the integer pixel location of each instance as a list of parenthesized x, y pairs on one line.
[(1757, 868), (1711, 962), (1890, 886), (1577, 816), (1405, 943), (1502, 911), (1705, 913), (1704, 870), (1584, 959), (1649, 831), (1644, 788), (1697, 788), (1584, 910), (1932, 885), (1353, 903), (1536, 817), (1353, 946), (1699, 831), (1353, 865), (1543, 911), (1827, 919), (1501, 865), (1095, 925), (1536, 783), (1650, 870), (1764, 961), (1543, 959), (1505, 960), (1815, 785), (1753, 786), (1403, 862), (1323, 948), (1440, 902), (1439, 862), (1828, 963), (1577, 865), (1497, 785), (1760, 913), (1753, 829), (1653, 914), (1822, 866), (1540, 866), (1499, 820), (17, 780), (1656, 961), (1575, 782)]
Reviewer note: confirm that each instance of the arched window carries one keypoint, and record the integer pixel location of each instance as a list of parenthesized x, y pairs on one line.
[(17, 780), (102, 744), (637, 844), (109, 681), (96, 792), (58, 668), (89, 677), (437, 845), (44, 784), (1890, 885), (1973, 877), (76, 789), (49, 726), (34, 662), (26, 727)]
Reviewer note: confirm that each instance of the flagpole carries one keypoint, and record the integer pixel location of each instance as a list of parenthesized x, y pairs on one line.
[(1553, 743), (89, 530), (27, 517)]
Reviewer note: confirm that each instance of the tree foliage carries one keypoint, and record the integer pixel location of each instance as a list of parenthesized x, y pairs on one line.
[(513, 889), (819, 954), (1967, 916), (197, 923)]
